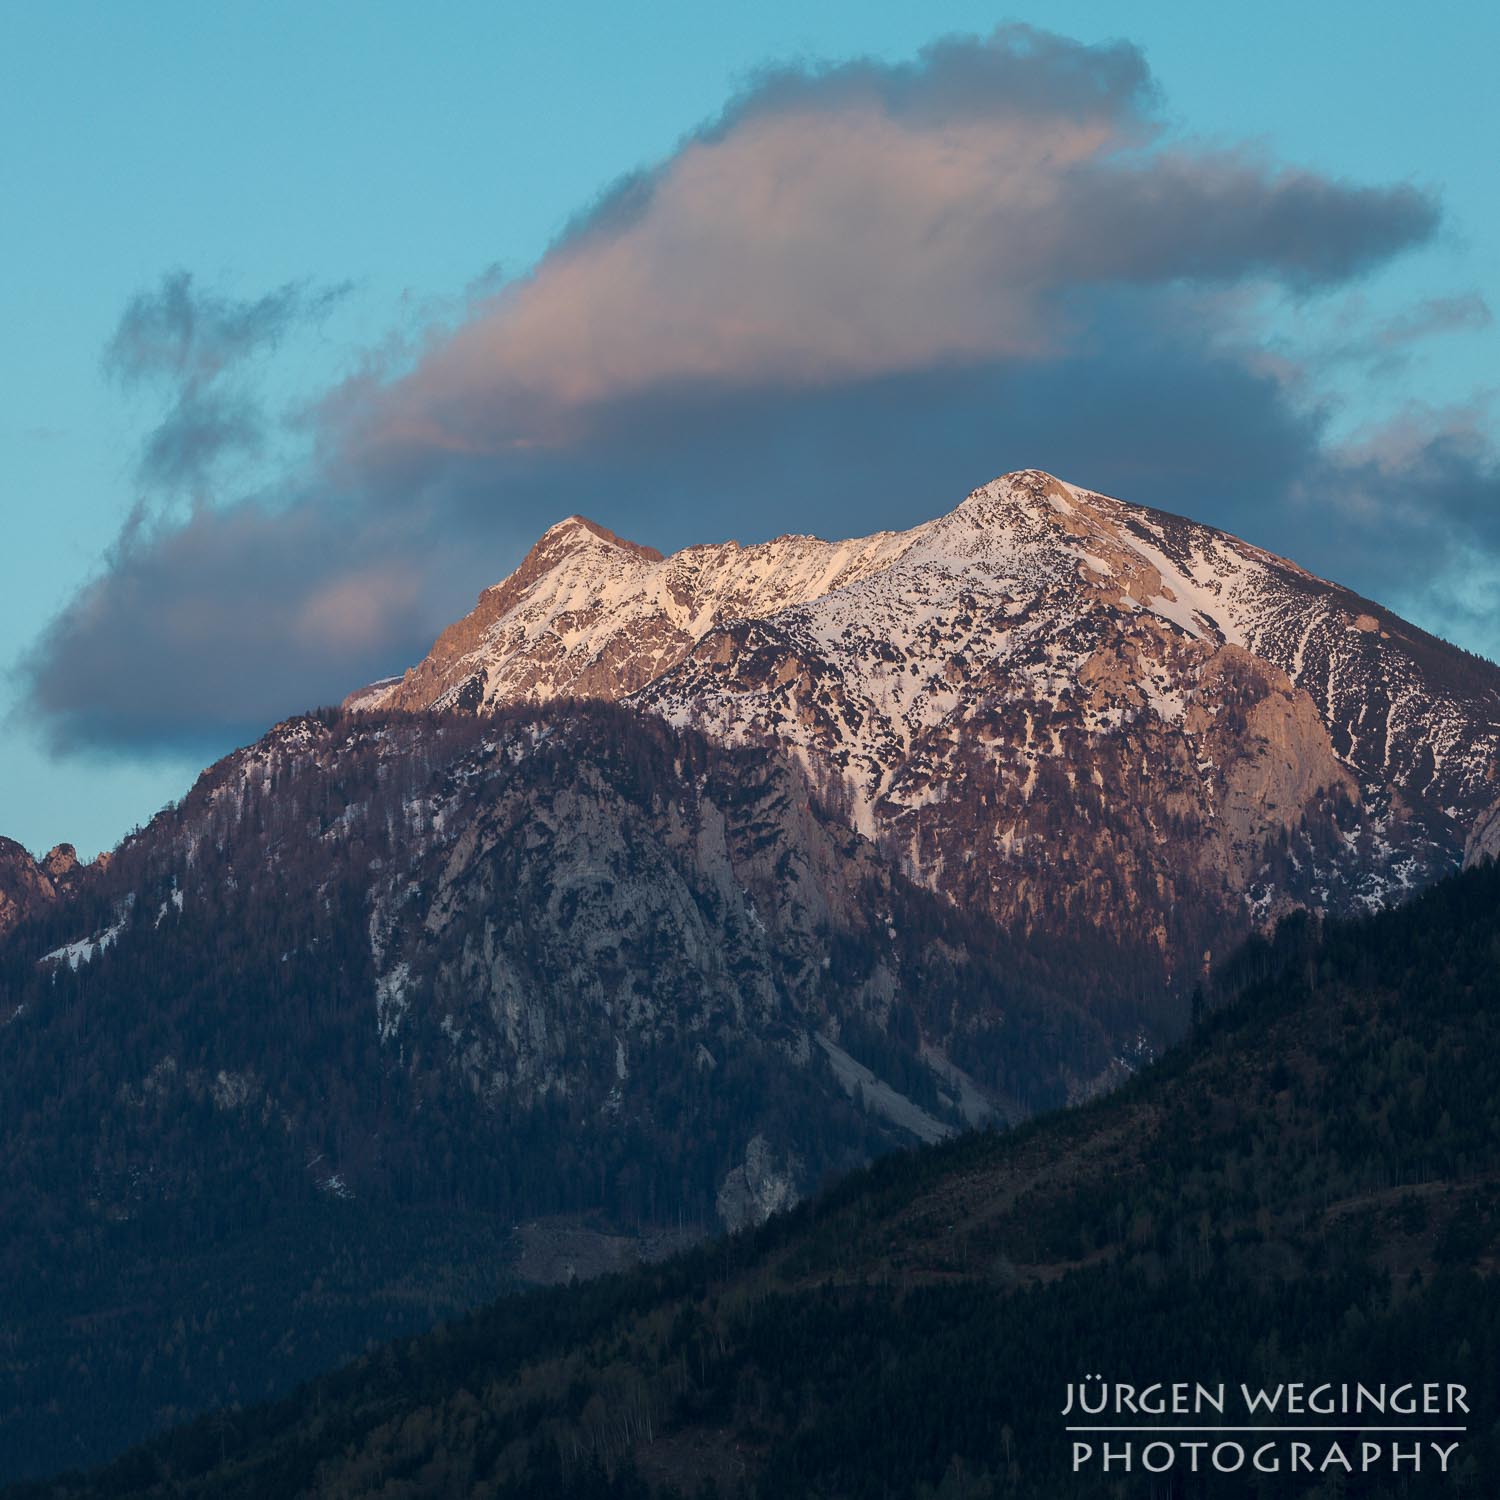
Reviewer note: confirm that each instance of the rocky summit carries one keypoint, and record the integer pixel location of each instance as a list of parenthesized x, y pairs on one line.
[(28, 885)]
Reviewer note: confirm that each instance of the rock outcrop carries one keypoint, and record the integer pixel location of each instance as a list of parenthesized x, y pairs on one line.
[(1484, 838), (28, 885)]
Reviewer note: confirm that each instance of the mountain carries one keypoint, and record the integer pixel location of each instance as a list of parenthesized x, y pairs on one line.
[(1308, 1191), (393, 1009), (665, 890), (1085, 719)]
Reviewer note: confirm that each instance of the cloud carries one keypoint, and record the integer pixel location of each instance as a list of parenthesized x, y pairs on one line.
[(201, 633), (1466, 313), (191, 344), (1414, 508), (1385, 346), (865, 221), (858, 292)]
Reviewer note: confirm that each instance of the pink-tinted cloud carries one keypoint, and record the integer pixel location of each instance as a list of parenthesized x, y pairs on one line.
[(864, 222)]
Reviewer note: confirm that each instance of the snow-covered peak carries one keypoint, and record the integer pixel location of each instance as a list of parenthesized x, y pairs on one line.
[(1030, 588), (579, 532)]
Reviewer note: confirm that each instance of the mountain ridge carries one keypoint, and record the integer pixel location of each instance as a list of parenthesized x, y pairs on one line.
[(1035, 639)]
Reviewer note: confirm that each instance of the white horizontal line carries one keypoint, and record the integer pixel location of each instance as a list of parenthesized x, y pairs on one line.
[(1297, 1428)]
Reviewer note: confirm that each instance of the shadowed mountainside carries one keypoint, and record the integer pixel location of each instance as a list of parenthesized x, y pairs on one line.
[(290, 1073), (1305, 1191)]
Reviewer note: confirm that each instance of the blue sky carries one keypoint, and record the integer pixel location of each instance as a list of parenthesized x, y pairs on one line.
[(394, 164)]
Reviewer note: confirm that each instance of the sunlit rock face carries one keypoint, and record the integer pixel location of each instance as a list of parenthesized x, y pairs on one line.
[(28, 885)]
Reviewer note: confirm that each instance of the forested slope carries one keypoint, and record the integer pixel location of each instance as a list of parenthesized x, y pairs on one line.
[(1307, 1190)]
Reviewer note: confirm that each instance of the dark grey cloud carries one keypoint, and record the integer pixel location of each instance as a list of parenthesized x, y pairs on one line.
[(1225, 217), (181, 333), (201, 633), (1414, 516), (192, 344), (859, 292), (1018, 72)]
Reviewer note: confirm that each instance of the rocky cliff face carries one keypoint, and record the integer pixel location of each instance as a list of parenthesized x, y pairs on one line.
[(28, 885), (1484, 838), (1089, 720), (587, 899)]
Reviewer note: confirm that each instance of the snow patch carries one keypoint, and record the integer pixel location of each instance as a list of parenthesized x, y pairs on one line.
[(84, 950), (392, 1000)]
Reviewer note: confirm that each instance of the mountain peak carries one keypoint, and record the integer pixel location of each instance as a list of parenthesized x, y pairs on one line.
[(1032, 484), (1033, 494), (579, 531), (1035, 481)]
